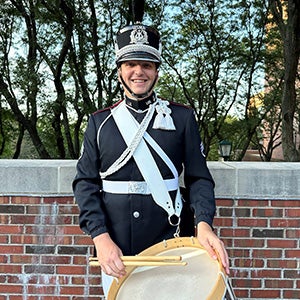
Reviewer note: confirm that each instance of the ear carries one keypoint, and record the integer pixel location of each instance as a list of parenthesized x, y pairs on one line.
[(119, 74)]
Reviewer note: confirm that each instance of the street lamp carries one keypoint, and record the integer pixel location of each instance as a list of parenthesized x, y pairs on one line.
[(225, 149)]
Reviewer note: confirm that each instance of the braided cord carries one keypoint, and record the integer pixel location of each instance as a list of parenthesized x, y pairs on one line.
[(127, 154)]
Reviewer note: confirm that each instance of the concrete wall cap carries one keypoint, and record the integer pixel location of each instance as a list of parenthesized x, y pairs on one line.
[(234, 180)]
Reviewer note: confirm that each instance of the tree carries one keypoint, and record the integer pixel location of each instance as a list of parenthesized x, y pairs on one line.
[(57, 46), (286, 15), (63, 69), (216, 57)]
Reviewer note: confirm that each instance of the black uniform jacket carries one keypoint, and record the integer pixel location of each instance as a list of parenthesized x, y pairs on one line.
[(134, 221)]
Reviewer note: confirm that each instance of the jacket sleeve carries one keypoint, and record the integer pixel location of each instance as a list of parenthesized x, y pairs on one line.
[(87, 184), (198, 180)]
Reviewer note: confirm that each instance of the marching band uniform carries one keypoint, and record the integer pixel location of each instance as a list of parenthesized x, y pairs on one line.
[(133, 219), (127, 181)]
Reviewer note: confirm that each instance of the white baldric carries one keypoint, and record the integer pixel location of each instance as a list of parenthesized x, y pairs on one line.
[(132, 132)]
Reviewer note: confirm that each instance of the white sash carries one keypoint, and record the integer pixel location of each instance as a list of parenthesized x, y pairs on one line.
[(128, 127)]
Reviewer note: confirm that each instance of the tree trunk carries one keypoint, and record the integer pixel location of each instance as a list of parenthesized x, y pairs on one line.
[(290, 32)]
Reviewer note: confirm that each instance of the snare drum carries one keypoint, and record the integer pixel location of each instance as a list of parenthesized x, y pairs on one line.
[(202, 277)]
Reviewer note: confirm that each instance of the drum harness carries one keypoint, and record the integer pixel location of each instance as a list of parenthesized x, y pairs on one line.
[(135, 135)]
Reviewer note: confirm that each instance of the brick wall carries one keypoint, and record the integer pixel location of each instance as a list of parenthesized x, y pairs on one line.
[(263, 239), (44, 255)]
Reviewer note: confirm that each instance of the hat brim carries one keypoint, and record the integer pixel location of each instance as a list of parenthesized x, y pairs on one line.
[(138, 56)]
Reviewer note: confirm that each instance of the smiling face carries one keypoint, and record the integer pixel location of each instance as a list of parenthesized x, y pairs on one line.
[(139, 77)]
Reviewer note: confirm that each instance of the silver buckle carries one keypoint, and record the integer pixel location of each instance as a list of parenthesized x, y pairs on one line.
[(135, 187)]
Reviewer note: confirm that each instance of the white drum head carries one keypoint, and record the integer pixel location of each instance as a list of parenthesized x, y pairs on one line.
[(199, 279)]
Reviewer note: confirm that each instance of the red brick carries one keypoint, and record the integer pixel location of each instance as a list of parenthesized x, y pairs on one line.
[(12, 297), (293, 253), (80, 260), (265, 293), (291, 273), (293, 233), (11, 249), (4, 219), (11, 289), (265, 253), (40, 230), (281, 264), (265, 273), (285, 223), (39, 209), (292, 213), (82, 240), (72, 229), (72, 290), (84, 298), (235, 232), (56, 259), (234, 252), (240, 273), (41, 289), (3, 278), (96, 290), (19, 219), (249, 283), (24, 259), (279, 284), (95, 280), (3, 239), (267, 212), (248, 263), (241, 293), (11, 229), (252, 203), (223, 222), (249, 243), (61, 298), (285, 203), (4, 199), (224, 202), (59, 200), (3, 258), (71, 269), (282, 243), (291, 294), (25, 200), (250, 222)]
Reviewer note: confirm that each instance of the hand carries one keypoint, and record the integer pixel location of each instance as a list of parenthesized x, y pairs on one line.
[(108, 254), (212, 244)]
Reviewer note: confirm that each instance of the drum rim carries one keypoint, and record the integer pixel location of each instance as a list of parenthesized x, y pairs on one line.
[(178, 242)]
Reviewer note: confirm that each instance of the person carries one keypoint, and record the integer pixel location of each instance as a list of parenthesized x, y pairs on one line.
[(127, 180)]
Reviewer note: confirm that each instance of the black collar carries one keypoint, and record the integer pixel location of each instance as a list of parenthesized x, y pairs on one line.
[(140, 104)]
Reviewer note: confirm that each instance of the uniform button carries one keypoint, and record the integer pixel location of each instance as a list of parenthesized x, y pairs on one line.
[(136, 214)]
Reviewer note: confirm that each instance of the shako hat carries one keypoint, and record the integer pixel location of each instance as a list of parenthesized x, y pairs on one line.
[(138, 41)]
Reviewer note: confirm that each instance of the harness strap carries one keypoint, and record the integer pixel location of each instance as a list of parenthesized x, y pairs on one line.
[(146, 163)]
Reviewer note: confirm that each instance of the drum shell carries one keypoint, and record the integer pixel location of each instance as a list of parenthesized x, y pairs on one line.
[(202, 278)]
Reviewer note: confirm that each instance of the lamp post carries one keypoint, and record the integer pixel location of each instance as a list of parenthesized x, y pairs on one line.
[(225, 149)]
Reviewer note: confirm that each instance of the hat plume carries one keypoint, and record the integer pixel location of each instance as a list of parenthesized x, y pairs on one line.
[(138, 9)]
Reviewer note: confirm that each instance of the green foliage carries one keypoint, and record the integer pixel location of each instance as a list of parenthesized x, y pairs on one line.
[(57, 66)]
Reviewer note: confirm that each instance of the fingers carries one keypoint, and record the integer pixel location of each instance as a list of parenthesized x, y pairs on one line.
[(216, 249), (212, 244), (114, 268), (109, 254)]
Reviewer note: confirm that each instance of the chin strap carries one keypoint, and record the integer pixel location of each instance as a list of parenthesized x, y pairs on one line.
[(139, 96)]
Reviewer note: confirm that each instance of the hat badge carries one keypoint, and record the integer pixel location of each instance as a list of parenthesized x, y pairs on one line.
[(139, 36)]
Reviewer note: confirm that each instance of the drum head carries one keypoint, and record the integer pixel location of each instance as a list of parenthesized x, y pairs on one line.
[(199, 279)]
